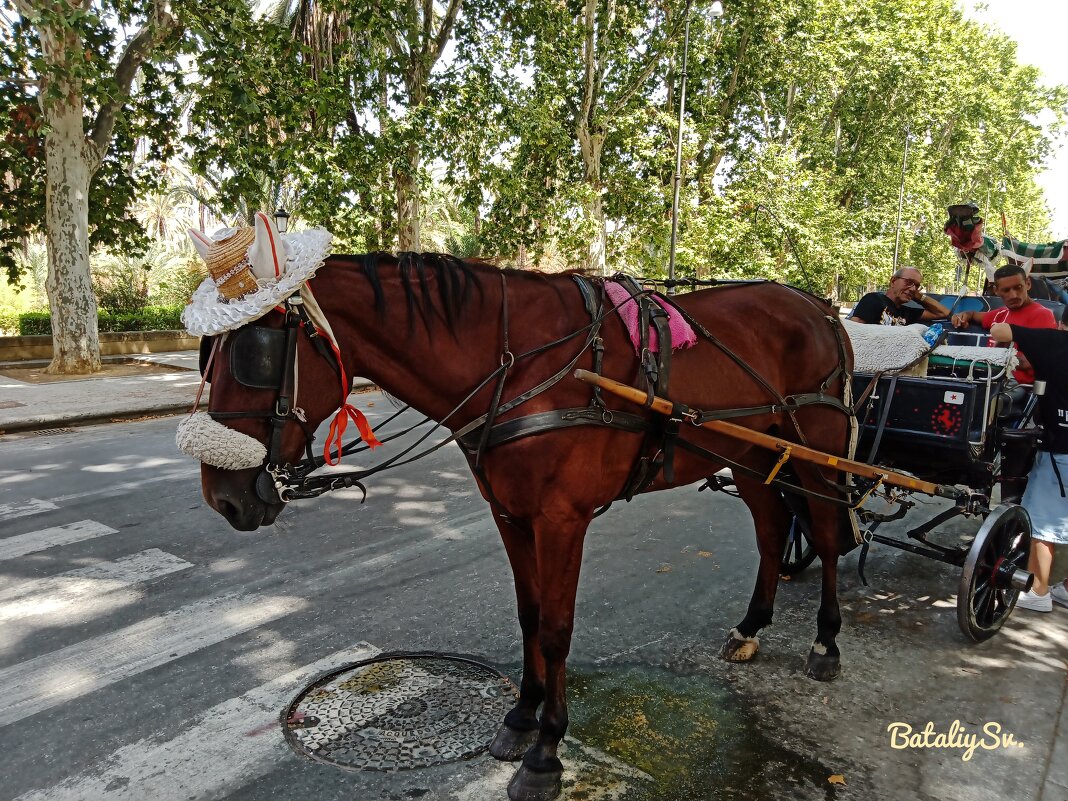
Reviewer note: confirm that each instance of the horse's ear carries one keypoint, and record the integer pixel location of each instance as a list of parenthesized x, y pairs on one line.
[(200, 241), (267, 256)]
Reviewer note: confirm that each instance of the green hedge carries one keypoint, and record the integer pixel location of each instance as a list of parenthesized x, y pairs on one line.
[(9, 320), (151, 318)]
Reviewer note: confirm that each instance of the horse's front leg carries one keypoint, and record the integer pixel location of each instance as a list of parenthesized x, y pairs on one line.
[(520, 727), (824, 659), (559, 549), (771, 518)]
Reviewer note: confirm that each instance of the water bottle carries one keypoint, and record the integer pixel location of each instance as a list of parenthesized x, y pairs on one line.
[(931, 335)]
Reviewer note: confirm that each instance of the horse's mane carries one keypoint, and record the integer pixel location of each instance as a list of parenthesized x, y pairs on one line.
[(456, 281)]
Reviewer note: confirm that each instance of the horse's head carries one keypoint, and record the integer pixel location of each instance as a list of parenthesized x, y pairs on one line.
[(260, 416), (273, 379)]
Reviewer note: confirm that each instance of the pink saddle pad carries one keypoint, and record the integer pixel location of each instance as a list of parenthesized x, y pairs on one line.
[(682, 335)]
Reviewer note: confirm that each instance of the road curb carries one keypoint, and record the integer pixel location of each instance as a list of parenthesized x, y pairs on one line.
[(74, 421), (98, 417)]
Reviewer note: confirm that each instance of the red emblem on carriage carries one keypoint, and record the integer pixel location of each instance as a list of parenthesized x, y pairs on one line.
[(946, 419)]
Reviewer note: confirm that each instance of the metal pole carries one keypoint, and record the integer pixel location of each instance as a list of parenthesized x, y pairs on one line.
[(678, 153), (901, 198)]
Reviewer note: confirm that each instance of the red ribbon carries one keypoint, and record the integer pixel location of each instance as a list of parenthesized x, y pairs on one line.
[(344, 414), (337, 431)]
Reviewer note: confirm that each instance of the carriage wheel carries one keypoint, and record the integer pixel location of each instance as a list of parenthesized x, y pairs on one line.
[(986, 595), (799, 551)]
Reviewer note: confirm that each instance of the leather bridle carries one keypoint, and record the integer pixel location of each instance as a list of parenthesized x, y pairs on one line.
[(276, 481)]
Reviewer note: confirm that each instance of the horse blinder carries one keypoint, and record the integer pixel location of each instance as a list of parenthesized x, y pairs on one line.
[(258, 357)]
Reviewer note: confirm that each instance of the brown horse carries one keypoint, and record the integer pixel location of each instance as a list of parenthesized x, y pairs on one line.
[(429, 329)]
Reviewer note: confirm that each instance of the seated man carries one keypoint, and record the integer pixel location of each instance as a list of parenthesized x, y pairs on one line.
[(1012, 284), (888, 308)]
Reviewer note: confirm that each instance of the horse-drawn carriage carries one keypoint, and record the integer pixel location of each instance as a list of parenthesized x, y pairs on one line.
[(949, 420), (491, 355), (959, 424)]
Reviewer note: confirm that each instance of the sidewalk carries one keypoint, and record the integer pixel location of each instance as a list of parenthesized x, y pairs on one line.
[(80, 401), (27, 406)]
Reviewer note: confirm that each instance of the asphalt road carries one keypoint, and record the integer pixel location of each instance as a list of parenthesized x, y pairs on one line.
[(146, 649)]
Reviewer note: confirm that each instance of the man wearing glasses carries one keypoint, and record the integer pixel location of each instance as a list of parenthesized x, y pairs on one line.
[(888, 308)]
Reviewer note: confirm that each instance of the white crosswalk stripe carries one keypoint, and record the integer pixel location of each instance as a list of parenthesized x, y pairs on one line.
[(80, 592), (228, 746), (33, 506), (51, 679), (22, 544)]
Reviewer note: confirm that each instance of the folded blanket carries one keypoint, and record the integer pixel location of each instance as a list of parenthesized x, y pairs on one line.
[(966, 354)]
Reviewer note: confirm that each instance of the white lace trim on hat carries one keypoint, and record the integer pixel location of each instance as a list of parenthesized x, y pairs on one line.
[(208, 313)]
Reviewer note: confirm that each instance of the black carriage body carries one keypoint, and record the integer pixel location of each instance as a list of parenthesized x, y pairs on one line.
[(938, 428)]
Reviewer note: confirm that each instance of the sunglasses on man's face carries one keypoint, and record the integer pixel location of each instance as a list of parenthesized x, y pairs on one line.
[(912, 282)]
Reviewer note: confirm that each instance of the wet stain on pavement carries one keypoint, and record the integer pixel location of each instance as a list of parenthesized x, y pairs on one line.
[(689, 736)]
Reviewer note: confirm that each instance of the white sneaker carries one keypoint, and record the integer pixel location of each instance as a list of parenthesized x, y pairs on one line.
[(1036, 603), (1058, 593)]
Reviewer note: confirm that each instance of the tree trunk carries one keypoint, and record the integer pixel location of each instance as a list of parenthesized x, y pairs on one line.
[(596, 259), (591, 142), (406, 178), (75, 343)]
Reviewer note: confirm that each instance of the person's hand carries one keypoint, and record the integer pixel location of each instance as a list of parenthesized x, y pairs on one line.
[(1001, 332), (959, 320)]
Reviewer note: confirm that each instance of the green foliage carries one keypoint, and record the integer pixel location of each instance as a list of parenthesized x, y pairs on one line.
[(35, 323), (9, 320), (144, 130), (543, 127), (149, 318)]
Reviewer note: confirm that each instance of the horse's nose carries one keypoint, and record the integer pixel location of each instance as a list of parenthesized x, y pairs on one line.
[(244, 514)]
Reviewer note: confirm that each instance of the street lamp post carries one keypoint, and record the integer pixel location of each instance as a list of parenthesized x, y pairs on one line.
[(716, 11)]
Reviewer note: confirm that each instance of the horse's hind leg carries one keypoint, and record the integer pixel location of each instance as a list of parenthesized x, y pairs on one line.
[(559, 548), (771, 518), (520, 727)]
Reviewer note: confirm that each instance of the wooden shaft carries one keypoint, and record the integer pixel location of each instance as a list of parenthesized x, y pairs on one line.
[(801, 452)]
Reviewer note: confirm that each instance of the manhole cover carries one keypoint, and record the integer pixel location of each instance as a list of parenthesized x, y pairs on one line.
[(399, 711)]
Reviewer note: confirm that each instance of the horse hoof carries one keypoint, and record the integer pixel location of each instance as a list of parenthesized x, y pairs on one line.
[(822, 667), (510, 744), (738, 648), (530, 785)]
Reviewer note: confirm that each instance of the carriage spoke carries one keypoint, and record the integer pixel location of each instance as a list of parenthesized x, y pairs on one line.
[(983, 598)]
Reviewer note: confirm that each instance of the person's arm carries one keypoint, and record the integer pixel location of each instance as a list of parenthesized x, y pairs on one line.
[(964, 319), (1041, 343), (932, 309)]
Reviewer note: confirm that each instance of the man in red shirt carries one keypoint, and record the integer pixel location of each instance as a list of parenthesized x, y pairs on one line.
[(1012, 284)]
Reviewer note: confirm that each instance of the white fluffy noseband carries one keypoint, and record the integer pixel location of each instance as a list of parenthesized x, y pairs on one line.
[(213, 443)]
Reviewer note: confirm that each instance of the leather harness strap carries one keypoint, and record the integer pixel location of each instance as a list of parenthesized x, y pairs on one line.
[(661, 430)]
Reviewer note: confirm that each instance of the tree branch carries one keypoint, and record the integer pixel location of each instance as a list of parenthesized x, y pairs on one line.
[(157, 27), (589, 59), (446, 29), (655, 56)]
